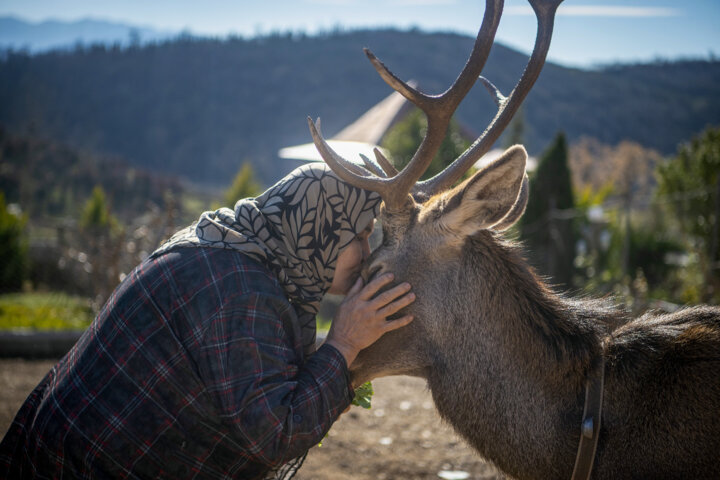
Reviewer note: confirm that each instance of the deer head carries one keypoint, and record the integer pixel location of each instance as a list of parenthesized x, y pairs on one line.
[(426, 224)]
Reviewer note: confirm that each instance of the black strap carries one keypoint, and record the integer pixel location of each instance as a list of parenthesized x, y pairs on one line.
[(590, 426)]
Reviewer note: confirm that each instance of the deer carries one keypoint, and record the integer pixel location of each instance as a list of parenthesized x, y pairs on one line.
[(541, 384)]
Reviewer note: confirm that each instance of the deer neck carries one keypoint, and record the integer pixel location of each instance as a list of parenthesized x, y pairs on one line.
[(513, 386)]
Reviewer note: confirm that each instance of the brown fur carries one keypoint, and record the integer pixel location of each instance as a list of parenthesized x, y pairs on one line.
[(506, 357)]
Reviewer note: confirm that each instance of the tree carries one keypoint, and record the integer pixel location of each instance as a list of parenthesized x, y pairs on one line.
[(548, 231), (691, 180), (101, 238), (404, 139), (13, 249), (244, 185), (628, 167), (96, 213)]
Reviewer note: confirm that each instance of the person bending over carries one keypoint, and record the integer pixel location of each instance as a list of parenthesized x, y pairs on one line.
[(202, 363)]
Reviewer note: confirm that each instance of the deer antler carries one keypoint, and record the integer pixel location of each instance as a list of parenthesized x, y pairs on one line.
[(507, 106), (438, 109)]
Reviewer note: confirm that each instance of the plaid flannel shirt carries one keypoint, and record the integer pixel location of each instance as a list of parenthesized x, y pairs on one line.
[(193, 369)]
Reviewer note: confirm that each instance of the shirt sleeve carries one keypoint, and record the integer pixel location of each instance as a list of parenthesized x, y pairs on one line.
[(275, 406)]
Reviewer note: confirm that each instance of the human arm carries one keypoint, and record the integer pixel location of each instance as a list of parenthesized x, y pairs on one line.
[(274, 406)]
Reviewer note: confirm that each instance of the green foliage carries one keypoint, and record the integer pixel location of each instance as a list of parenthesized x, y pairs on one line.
[(96, 218), (13, 249), (691, 180), (96, 214), (244, 185), (363, 395), (635, 255), (648, 251), (549, 235), (44, 311), (322, 324), (404, 139)]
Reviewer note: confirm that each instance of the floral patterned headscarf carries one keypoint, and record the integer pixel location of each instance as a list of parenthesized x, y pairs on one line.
[(297, 228)]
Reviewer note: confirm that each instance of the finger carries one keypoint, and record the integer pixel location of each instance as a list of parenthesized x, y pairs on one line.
[(398, 323), (396, 305), (373, 287), (390, 295)]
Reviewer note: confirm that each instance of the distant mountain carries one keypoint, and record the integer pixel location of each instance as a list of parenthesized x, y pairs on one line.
[(200, 107), (36, 37)]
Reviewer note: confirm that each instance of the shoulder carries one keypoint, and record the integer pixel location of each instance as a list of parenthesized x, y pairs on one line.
[(214, 286), (228, 271), (202, 282)]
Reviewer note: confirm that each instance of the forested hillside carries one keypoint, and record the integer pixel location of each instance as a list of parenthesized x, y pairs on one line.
[(48, 179), (200, 107)]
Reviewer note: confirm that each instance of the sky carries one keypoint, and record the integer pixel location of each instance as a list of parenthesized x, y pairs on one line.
[(587, 33)]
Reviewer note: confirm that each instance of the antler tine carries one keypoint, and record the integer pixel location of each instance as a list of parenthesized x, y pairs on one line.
[(412, 94), (344, 169), (545, 13), (372, 167), (476, 62), (440, 108), (388, 167), (494, 91)]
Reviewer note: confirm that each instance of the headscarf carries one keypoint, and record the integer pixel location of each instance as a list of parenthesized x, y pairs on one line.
[(297, 228)]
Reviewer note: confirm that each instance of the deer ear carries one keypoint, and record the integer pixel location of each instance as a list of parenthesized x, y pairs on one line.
[(518, 209), (490, 197)]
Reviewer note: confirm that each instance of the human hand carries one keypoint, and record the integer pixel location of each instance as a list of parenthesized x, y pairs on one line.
[(362, 319)]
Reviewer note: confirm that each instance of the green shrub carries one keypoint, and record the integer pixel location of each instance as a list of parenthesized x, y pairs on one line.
[(44, 311)]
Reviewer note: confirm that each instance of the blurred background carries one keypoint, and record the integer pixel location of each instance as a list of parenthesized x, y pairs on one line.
[(120, 122)]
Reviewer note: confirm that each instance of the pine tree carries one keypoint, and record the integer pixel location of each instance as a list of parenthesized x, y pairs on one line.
[(96, 213), (101, 239), (548, 233)]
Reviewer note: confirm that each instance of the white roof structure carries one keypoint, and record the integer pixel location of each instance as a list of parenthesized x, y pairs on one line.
[(346, 149), (372, 126), (360, 137)]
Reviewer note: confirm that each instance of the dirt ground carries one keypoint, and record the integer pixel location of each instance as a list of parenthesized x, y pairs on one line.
[(401, 437)]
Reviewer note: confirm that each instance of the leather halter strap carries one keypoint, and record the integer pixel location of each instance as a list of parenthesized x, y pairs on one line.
[(590, 426)]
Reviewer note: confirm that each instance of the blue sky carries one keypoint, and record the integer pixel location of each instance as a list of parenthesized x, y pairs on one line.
[(587, 32)]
